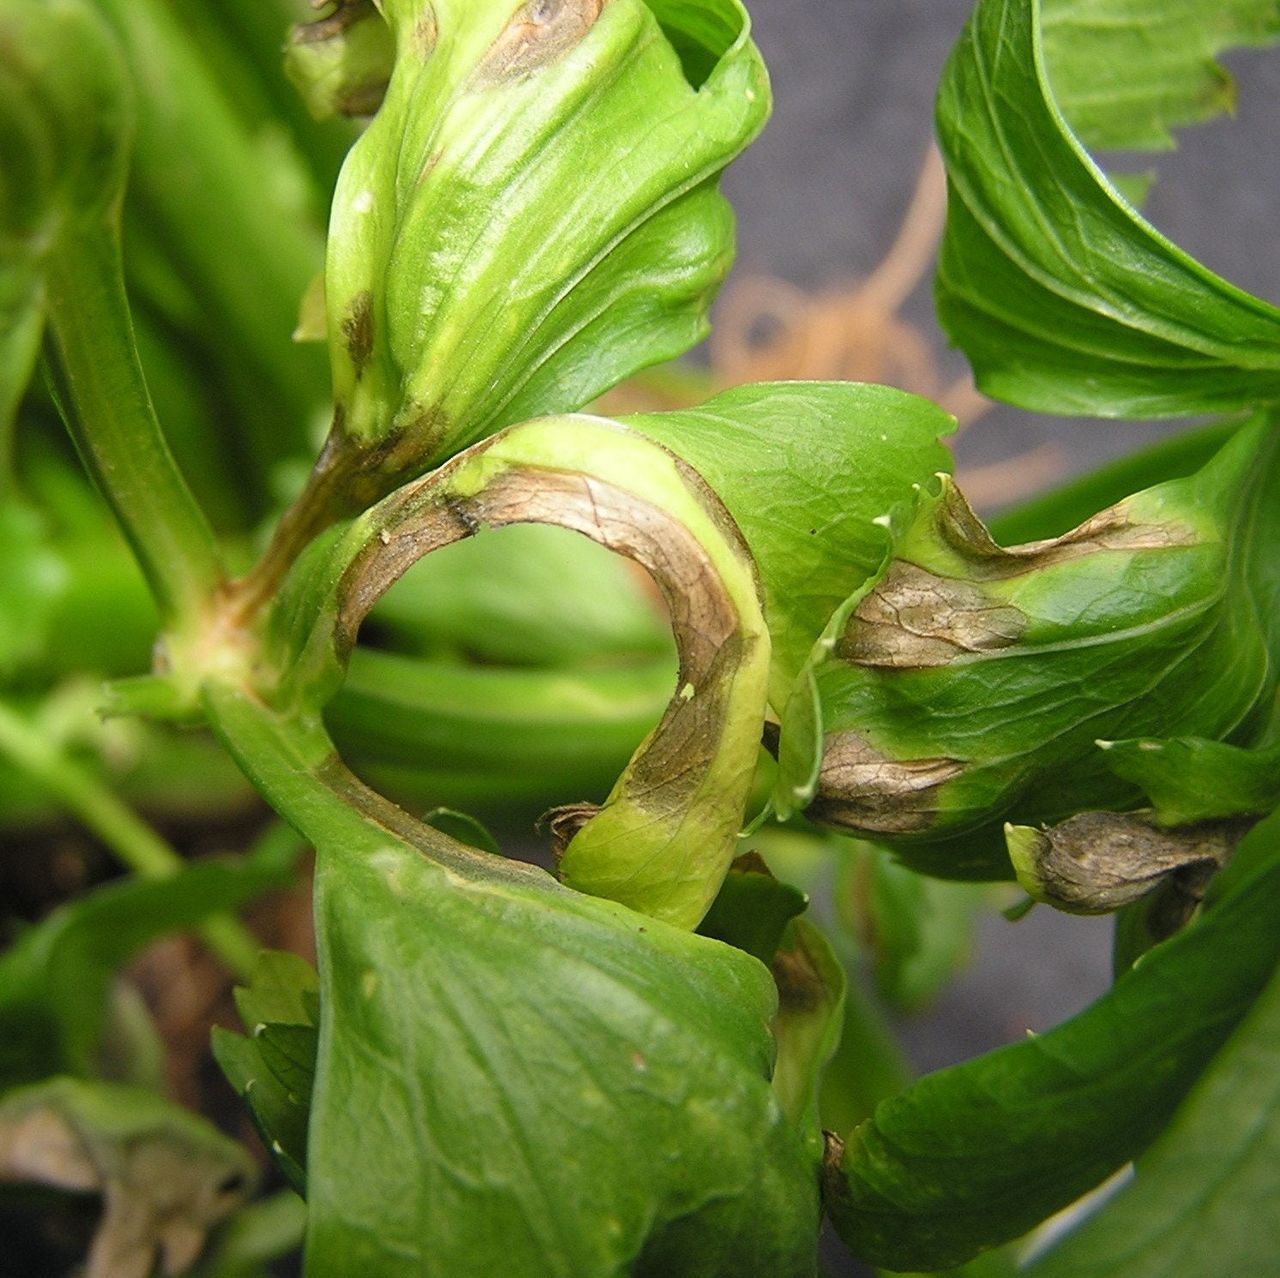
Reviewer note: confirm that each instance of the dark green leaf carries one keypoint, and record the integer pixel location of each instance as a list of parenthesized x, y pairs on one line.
[(281, 1118), (289, 1052), (274, 1068), (1189, 779), (1062, 297), (977, 1154), (752, 909), (1204, 1197)]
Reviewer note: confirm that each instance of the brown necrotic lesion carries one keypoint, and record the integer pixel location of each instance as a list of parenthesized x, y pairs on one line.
[(860, 788), (540, 32)]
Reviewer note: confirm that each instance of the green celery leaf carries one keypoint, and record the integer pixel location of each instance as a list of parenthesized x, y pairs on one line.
[(281, 991), (1062, 297), (977, 1154), (1190, 779), (280, 1116), (576, 139), (55, 979), (1124, 72), (970, 683), (274, 1068), (1203, 1200), (518, 1043), (807, 470)]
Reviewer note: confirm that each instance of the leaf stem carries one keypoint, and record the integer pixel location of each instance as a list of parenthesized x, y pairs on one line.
[(100, 810), (111, 418)]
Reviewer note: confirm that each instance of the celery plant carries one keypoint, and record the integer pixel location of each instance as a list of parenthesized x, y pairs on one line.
[(632, 1063)]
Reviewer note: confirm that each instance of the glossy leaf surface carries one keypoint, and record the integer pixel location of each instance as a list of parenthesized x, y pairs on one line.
[(977, 1154), (1203, 1199), (532, 215), (1062, 297)]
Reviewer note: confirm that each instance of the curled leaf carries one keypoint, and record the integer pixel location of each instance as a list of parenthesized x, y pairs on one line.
[(968, 683), (511, 119), (664, 838), (1062, 297)]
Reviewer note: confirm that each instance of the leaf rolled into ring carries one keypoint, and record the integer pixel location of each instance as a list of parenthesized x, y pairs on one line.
[(663, 840)]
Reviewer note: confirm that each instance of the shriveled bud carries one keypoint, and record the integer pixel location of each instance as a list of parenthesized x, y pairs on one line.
[(1100, 861), (529, 218), (970, 682)]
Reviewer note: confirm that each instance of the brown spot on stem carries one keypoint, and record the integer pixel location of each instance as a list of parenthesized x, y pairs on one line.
[(540, 32), (357, 330), (861, 789)]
